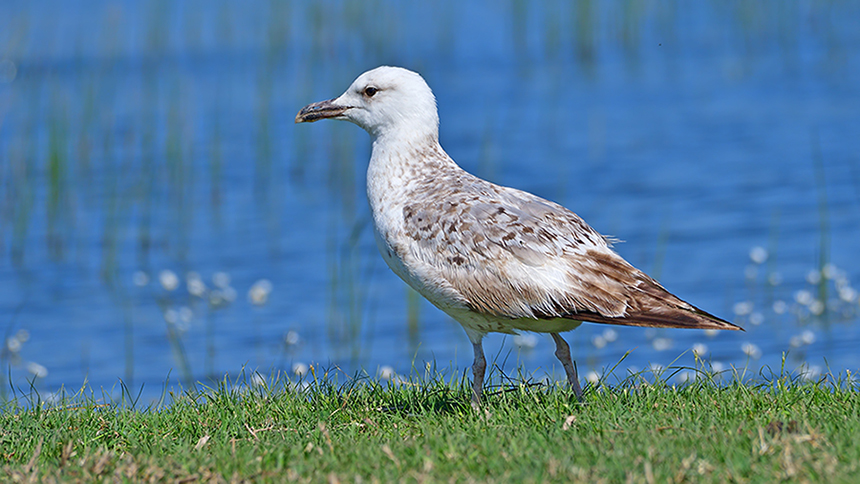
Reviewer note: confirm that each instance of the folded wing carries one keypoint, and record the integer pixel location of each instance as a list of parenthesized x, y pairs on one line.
[(514, 255)]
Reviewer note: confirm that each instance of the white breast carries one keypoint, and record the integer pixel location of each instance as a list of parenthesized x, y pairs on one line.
[(391, 180)]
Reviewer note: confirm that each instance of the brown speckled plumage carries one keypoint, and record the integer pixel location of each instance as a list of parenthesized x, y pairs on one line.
[(496, 259)]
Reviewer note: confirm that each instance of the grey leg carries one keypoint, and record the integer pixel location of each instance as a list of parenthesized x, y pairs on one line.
[(478, 368), (562, 352)]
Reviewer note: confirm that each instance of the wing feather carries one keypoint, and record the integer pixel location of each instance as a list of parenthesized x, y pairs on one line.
[(513, 255)]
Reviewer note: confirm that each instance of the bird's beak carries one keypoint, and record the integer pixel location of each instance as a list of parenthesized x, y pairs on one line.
[(321, 110)]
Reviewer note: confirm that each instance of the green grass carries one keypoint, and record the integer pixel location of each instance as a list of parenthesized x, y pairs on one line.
[(362, 430)]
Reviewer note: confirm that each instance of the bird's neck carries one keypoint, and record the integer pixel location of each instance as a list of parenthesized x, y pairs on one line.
[(414, 156), (399, 166)]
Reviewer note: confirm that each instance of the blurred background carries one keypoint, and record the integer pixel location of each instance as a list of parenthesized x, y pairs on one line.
[(163, 221)]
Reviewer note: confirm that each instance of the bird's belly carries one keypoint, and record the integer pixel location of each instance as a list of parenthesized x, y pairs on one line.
[(425, 282), (477, 324)]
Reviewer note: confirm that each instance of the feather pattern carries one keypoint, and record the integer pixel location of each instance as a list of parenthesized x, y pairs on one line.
[(509, 254), (496, 259)]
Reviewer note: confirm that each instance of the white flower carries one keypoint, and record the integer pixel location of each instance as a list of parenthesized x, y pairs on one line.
[(301, 385), (259, 292), (194, 283), (813, 277), (598, 341), (816, 308), (53, 398), (171, 316), (185, 314), (221, 279), (685, 376), (168, 279), (216, 298), (751, 350), (743, 308), (807, 337), (710, 333), (257, 380), (700, 349), (756, 318), (37, 370), (758, 254), (292, 338), (300, 369), (592, 377), (610, 335), (847, 294), (140, 279), (13, 344), (810, 372), (525, 341), (830, 271), (803, 297), (661, 344), (779, 306), (386, 373), (774, 278)]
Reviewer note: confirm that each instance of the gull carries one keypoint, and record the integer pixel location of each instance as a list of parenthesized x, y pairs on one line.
[(496, 259)]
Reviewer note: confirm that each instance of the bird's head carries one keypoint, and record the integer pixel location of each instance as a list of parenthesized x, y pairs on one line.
[(384, 101)]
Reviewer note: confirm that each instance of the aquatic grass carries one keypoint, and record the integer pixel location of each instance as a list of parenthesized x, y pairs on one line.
[(58, 175), (413, 318), (215, 166), (827, 299), (9, 352), (166, 303), (347, 293), (180, 175), (264, 157), (349, 267), (273, 429), (823, 219), (22, 189)]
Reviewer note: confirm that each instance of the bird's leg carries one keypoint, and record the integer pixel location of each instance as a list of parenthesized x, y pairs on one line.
[(478, 368), (562, 352)]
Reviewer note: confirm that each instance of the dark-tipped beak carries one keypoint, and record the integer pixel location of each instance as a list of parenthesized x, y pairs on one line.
[(320, 110)]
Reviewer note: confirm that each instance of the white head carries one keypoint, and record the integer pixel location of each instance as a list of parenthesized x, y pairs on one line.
[(386, 101)]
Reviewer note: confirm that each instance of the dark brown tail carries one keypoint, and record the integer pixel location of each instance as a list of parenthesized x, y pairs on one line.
[(651, 305), (661, 317)]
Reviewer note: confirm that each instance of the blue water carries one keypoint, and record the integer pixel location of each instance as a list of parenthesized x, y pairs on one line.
[(139, 137)]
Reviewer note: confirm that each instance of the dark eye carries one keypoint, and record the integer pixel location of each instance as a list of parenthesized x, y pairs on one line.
[(369, 91)]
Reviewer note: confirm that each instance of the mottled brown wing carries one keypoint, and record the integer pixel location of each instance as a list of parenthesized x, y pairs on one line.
[(512, 254)]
